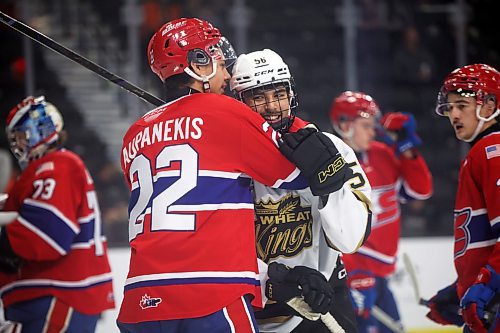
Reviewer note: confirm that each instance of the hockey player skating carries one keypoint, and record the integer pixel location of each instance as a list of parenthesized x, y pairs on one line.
[(395, 172), (294, 227), (470, 98), (188, 163), (54, 270)]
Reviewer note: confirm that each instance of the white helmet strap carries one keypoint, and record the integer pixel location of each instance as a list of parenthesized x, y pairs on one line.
[(481, 122), (346, 135), (203, 78)]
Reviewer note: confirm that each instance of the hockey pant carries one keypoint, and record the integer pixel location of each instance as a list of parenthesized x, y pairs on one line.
[(237, 317), (48, 315), (386, 302)]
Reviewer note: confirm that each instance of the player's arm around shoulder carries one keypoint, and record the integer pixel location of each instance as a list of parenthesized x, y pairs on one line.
[(346, 216)]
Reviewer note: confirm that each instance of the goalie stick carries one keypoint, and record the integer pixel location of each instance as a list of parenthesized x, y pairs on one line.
[(79, 59)]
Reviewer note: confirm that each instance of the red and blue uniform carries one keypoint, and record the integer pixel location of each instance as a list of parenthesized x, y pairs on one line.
[(477, 210), (58, 235), (191, 229)]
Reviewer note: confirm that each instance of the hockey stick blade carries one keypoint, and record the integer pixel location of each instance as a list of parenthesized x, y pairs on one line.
[(79, 59)]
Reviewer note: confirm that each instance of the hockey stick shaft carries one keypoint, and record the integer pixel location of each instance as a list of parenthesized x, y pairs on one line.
[(410, 268), (382, 316), (79, 59)]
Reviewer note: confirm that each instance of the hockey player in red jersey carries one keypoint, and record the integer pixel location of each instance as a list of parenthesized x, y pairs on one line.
[(55, 274), (470, 98), (396, 172), (294, 227), (188, 164)]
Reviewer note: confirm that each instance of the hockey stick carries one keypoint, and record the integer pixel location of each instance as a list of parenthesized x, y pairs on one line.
[(413, 278), (299, 305), (382, 316), (79, 59)]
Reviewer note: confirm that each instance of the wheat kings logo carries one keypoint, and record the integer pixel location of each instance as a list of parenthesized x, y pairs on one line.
[(283, 228)]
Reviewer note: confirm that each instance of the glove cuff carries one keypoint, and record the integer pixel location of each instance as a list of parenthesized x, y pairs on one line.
[(489, 277)]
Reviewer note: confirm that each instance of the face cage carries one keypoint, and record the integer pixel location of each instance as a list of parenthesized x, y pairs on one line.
[(282, 124)]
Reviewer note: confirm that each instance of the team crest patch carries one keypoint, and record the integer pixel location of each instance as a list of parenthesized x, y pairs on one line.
[(283, 228), (148, 302), (492, 151)]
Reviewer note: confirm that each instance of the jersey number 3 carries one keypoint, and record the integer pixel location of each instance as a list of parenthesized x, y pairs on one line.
[(163, 197)]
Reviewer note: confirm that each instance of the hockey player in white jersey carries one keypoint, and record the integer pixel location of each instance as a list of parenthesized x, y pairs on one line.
[(304, 231)]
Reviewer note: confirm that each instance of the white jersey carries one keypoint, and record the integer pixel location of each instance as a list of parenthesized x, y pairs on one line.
[(293, 228)]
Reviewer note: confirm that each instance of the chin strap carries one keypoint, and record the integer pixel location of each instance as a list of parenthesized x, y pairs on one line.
[(482, 120), (347, 136), (204, 78)]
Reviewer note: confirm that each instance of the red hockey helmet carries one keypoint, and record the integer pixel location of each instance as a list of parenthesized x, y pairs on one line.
[(477, 80), (350, 105), (186, 40)]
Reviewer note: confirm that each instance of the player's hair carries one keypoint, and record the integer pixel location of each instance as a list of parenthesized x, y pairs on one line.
[(176, 82)]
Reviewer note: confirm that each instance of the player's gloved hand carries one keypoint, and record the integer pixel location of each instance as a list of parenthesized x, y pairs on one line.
[(401, 131), (10, 262), (317, 158), (444, 307), (286, 283), (363, 293), (477, 302)]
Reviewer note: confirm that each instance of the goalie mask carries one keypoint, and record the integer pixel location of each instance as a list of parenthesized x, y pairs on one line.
[(186, 40), (33, 126), (263, 81), (479, 81)]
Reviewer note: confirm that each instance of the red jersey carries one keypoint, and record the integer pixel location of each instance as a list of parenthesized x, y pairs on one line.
[(191, 225), (392, 180), (477, 211), (58, 234)]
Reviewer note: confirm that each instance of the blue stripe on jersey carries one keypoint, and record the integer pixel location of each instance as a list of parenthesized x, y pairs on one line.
[(48, 223), (403, 196), (209, 190), (299, 183), (201, 280), (480, 229), (86, 232)]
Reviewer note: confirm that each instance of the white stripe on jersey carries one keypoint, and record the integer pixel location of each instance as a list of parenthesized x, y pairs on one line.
[(88, 281), (191, 275), (377, 255), (209, 207)]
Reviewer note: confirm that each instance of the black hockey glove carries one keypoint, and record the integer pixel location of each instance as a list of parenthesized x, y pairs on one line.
[(10, 262), (317, 158), (285, 283)]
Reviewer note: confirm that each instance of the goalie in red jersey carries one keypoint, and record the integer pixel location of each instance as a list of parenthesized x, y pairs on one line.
[(470, 99), (55, 274)]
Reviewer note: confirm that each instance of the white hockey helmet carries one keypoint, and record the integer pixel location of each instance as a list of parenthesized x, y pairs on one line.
[(260, 69)]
